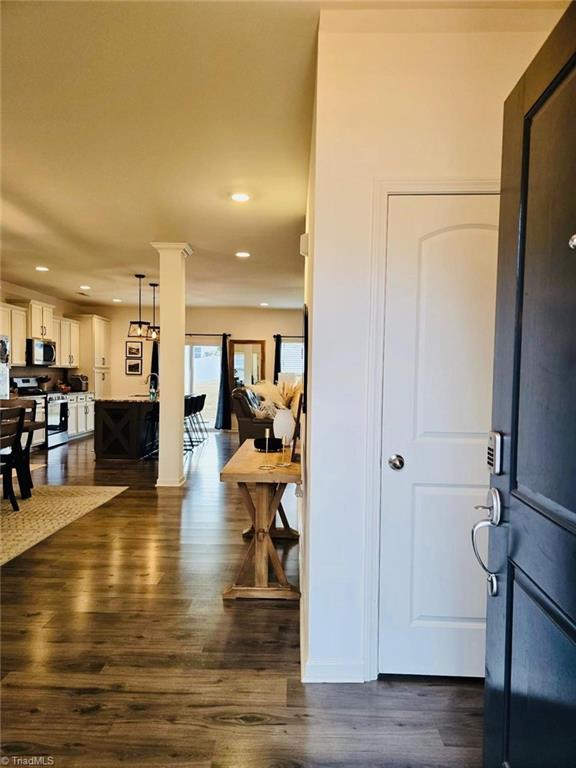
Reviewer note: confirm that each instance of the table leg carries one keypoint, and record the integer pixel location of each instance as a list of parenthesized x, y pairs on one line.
[(262, 550), (283, 533), (264, 497)]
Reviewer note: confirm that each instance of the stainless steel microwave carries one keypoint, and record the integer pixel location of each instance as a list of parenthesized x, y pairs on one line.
[(40, 352)]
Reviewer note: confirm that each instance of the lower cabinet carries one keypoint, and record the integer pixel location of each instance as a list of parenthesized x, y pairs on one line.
[(90, 413), (102, 382), (72, 416), (80, 414)]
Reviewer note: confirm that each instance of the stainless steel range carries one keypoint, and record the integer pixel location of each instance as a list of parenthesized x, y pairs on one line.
[(29, 388), (57, 419)]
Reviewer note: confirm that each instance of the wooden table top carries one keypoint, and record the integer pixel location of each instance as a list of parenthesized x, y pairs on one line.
[(244, 467), (32, 426), (28, 426)]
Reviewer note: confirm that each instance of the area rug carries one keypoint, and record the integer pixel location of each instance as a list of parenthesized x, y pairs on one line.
[(51, 508), (32, 468)]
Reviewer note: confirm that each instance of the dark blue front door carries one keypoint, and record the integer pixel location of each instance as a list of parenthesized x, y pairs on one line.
[(531, 637)]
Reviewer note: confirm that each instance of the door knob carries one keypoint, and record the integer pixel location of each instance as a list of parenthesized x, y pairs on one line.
[(396, 461), (494, 510), (572, 242)]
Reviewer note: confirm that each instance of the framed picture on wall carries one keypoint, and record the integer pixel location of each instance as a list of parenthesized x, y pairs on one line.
[(133, 367), (134, 349)]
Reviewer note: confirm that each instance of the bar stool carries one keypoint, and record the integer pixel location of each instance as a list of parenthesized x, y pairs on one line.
[(201, 422), (188, 423)]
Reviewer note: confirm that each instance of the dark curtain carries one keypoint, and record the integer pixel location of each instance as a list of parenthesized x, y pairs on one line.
[(277, 356), (154, 366), (223, 414)]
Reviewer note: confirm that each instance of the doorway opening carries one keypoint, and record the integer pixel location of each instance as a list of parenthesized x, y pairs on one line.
[(202, 366)]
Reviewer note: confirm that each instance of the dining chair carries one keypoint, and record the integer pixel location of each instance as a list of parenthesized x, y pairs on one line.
[(11, 425), (23, 464)]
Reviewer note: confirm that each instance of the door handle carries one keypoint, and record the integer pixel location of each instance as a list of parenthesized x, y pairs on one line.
[(396, 462), (494, 510)]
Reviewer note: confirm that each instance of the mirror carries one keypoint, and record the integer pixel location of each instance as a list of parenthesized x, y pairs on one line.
[(247, 362)]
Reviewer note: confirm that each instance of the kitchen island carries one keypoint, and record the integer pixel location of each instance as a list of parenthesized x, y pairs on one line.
[(125, 428)]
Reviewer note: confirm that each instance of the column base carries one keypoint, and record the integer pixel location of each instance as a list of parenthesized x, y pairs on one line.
[(169, 482)]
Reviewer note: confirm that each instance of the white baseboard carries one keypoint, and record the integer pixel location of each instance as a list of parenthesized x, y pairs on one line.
[(170, 483), (332, 672)]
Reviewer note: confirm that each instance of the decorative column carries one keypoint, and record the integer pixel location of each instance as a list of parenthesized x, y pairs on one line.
[(173, 324)]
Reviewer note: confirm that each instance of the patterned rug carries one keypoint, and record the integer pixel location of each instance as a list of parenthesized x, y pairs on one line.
[(51, 508)]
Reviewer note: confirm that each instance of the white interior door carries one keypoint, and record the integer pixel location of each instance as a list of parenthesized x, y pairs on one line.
[(439, 337)]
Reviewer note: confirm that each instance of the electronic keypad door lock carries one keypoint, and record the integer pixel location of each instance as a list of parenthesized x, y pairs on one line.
[(493, 508)]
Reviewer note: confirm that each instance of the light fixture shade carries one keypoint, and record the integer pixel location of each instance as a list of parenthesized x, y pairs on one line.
[(284, 425), (138, 329), (153, 333)]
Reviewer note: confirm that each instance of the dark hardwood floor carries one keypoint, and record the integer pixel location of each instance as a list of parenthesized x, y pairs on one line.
[(118, 649)]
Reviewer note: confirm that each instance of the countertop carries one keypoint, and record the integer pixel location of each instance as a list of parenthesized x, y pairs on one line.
[(129, 399)]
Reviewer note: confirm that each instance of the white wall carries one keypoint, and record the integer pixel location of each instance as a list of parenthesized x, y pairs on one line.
[(257, 323), (406, 96), (249, 324), (18, 294)]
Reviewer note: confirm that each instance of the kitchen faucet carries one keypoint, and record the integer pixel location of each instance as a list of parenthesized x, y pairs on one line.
[(152, 390)]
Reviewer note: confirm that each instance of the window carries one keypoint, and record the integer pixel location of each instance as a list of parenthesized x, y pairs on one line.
[(292, 357)]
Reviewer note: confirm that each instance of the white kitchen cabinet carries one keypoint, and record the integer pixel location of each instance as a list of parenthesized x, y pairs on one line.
[(40, 320), (74, 344), (101, 383), (101, 343), (57, 337), (5, 321), (94, 352), (65, 349), (67, 338), (81, 414), (72, 415), (90, 406), (13, 325), (18, 336)]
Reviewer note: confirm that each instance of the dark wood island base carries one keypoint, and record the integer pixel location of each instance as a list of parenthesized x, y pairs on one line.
[(125, 428)]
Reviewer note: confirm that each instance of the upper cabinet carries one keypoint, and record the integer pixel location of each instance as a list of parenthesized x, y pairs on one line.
[(74, 344), (13, 324), (40, 320), (18, 336), (94, 342), (101, 342), (67, 338), (5, 321)]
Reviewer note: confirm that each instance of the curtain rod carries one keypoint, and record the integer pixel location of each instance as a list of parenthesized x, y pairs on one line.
[(284, 336), (208, 334)]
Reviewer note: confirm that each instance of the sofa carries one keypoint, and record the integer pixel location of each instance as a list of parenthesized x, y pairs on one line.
[(245, 403)]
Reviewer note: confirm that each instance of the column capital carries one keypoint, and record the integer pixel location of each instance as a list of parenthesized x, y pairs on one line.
[(184, 248)]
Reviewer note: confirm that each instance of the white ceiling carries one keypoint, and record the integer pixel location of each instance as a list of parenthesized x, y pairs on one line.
[(126, 122)]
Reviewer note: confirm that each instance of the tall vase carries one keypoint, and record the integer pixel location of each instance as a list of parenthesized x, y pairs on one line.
[(284, 426)]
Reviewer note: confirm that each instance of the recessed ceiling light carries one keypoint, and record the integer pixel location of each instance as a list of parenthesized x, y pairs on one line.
[(42, 269), (85, 287), (240, 197), (264, 304), (117, 301), (242, 254)]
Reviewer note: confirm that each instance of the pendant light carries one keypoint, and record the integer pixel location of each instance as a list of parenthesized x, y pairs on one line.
[(138, 329), (153, 330)]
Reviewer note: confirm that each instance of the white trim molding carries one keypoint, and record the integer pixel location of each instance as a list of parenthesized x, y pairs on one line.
[(333, 672), (382, 190)]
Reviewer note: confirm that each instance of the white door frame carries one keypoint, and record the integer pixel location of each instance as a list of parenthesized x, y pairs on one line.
[(382, 189)]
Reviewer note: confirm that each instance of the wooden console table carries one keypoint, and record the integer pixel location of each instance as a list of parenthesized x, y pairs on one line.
[(244, 468)]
